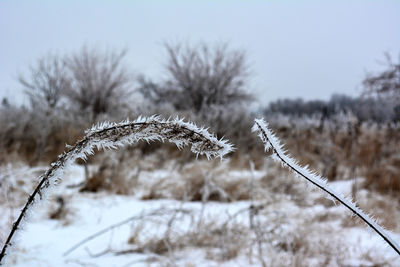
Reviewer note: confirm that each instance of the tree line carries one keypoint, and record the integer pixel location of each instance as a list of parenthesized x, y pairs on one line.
[(208, 84)]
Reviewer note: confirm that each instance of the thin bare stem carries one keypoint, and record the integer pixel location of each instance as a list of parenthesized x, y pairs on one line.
[(157, 212)]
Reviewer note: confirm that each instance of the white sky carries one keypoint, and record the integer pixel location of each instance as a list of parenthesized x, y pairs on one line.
[(307, 49)]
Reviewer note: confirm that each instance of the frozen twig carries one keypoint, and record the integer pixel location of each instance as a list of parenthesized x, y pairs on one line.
[(114, 135), (158, 212), (272, 142)]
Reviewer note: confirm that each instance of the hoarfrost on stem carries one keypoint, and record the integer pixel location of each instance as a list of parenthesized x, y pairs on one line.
[(113, 135), (279, 154)]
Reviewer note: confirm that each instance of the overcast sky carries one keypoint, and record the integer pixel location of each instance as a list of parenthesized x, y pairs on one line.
[(308, 49)]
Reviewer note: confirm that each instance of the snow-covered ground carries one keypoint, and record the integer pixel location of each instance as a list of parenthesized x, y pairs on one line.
[(280, 223)]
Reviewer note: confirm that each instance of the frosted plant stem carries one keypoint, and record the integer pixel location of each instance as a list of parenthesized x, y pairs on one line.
[(272, 142), (114, 135)]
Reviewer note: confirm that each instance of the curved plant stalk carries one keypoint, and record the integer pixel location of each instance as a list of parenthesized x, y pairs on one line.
[(272, 142), (114, 135)]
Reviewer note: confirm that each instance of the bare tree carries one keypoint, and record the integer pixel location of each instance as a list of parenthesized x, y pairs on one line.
[(386, 82), (47, 81), (45, 86), (85, 84), (199, 77), (99, 83)]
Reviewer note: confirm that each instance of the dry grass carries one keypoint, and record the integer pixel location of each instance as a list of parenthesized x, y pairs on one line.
[(341, 150), (349, 151), (286, 229), (114, 174), (222, 239), (213, 181), (374, 155), (34, 143), (312, 241), (385, 208), (132, 173)]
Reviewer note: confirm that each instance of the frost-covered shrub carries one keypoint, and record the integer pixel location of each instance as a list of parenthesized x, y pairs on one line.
[(35, 136)]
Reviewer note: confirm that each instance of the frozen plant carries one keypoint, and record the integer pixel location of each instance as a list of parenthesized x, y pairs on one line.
[(271, 142), (114, 135)]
